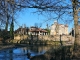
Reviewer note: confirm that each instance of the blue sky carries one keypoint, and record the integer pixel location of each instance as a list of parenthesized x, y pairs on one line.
[(29, 18)]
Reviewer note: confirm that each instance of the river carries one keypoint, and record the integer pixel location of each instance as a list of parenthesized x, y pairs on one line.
[(25, 53)]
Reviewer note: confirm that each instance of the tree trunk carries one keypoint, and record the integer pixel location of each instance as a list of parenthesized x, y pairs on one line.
[(12, 30), (76, 28), (6, 11), (6, 27), (75, 15)]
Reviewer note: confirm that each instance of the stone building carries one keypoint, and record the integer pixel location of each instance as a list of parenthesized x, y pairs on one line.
[(58, 29), (32, 30), (37, 31)]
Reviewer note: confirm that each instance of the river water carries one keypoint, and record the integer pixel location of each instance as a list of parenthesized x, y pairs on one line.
[(24, 53)]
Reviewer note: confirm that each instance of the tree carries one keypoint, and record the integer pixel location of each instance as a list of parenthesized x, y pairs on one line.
[(12, 30), (8, 9), (61, 7), (75, 4), (37, 25)]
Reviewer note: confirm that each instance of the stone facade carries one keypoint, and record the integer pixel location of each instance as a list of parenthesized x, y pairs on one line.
[(37, 31), (31, 31), (57, 38), (58, 29), (22, 37)]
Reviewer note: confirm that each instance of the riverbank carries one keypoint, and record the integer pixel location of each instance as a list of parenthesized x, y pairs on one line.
[(20, 53), (22, 43), (6, 46), (65, 51), (9, 46)]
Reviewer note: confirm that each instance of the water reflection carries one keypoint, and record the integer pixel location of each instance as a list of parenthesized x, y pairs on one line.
[(37, 52), (23, 53), (63, 53)]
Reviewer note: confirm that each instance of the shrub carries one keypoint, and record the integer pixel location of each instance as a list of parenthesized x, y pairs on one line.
[(5, 35)]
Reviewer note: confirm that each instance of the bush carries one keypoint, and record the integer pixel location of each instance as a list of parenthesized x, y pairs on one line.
[(5, 35)]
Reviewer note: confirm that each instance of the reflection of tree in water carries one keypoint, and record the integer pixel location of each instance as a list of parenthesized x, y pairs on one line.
[(62, 53), (11, 54), (27, 53), (66, 53), (51, 58), (39, 57), (37, 49)]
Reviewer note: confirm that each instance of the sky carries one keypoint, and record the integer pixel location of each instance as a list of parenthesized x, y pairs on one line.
[(29, 18)]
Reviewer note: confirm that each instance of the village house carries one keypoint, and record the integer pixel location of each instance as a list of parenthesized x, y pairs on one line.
[(21, 30), (37, 31), (58, 29), (31, 31)]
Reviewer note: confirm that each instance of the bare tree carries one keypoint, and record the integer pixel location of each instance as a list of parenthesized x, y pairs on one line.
[(60, 8), (38, 25), (76, 5)]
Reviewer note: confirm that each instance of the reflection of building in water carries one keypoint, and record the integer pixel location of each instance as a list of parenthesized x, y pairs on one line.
[(59, 29), (36, 49)]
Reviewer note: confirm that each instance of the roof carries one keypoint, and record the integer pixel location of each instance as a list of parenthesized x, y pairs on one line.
[(37, 30), (31, 30)]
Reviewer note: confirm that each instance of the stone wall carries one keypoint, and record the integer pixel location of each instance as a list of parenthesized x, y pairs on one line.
[(46, 37), (20, 37), (56, 37)]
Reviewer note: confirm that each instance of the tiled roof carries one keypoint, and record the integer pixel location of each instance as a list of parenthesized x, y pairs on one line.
[(31, 30), (37, 30), (44, 30)]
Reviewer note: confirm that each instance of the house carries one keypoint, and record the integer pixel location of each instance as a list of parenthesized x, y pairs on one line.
[(37, 31), (31, 31), (22, 30), (58, 29)]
